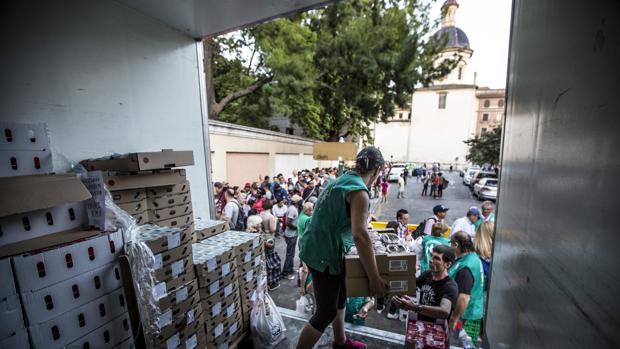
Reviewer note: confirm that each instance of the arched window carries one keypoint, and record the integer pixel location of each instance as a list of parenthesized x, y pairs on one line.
[(487, 103), (500, 103)]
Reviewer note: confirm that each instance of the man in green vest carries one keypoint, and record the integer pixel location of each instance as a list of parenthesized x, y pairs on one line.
[(339, 220), (469, 276)]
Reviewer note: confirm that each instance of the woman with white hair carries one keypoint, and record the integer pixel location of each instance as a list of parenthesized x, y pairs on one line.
[(255, 224)]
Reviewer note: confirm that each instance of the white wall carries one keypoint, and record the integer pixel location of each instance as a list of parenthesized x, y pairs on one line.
[(437, 135), (105, 79), (392, 138)]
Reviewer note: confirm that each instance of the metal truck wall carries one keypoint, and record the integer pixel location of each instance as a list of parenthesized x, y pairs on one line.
[(105, 79), (556, 276)]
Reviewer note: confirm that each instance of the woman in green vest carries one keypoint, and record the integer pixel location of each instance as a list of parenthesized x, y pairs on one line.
[(469, 276), (339, 220)]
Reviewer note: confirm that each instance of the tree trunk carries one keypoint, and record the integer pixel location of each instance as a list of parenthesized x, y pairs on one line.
[(209, 52)]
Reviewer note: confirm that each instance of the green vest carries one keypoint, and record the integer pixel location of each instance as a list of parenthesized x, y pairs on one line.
[(328, 237), (301, 224), (428, 243), (475, 308), (353, 306)]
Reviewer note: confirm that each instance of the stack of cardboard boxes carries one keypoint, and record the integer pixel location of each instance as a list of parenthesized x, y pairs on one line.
[(61, 285), (227, 266), (398, 269), (175, 293), (205, 229)]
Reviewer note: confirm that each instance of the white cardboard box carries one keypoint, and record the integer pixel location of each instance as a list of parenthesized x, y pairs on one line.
[(42, 305), (20, 340), (10, 317), (78, 322), (114, 334), (37, 271), (23, 136), (127, 344), (25, 162), (30, 225), (7, 287)]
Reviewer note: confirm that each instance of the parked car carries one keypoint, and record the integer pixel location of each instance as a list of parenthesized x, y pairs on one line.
[(480, 175), (395, 173), (469, 173), (478, 186), (489, 190)]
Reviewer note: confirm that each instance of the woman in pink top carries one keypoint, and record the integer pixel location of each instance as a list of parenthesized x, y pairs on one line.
[(384, 190)]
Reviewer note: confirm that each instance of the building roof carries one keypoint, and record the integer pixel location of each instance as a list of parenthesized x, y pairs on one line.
[(455, 36)]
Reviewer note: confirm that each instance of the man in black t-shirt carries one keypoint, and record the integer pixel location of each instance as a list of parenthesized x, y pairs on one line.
[(438, 291)]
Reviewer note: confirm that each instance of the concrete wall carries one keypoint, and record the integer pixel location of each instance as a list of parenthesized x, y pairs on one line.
[(555, 278), (437, 135), (105, 79), (393, 138)]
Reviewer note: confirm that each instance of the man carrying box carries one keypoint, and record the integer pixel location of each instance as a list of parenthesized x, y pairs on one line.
[(339, 219)]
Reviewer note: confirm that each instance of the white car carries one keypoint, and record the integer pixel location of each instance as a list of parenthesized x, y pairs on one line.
[(469, 174), (487, 191), (476, 188), (395, 173)]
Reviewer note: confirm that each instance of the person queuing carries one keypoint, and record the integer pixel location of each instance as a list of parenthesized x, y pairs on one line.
[(468, 273), (279, 211), (487, 213), (290, 236), (483, 245), (425, 181), (467, 222), (339, 221), (439, 214), (401, 187), (438, 291), (430, 241), (384, 190)]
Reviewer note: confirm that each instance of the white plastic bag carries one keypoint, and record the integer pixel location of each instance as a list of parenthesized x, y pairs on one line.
[(266, 322), (300, 304)]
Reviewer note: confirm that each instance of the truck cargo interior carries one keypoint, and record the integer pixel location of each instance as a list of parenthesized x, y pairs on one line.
[(117, 77)]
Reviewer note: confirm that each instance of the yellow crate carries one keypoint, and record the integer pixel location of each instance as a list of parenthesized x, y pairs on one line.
[(412, 227)]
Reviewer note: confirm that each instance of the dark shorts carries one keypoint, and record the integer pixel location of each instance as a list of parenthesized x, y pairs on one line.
[(331, 295)]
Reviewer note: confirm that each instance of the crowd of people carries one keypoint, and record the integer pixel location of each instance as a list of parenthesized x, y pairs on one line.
[(323, 215)]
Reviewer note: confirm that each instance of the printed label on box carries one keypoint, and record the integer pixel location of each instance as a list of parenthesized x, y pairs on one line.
[(181, 295), (230, 310), (165, 319), (247, 257), (192, 342), (211, 264), (228, 290), (255, 242), (217, 309), (174, 240), (95, 206), (225, 269), (158, 262), (257, 260), (249, 275), (398, 265), (218, 330), (190, 316), (233, 329), (214, 287), (177, 268), (173, 342), (159, 291), (399, 286)]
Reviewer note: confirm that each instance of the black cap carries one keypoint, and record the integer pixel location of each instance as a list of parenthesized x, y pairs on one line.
[(440, 208)]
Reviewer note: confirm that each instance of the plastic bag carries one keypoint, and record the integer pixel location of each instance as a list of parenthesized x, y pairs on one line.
[(266, 323), (300, 304)]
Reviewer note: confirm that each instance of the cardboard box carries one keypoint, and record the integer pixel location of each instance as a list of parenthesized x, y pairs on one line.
[(10, 317), (207, 258), (115, 181), (171, 322), (134, 207), (125, 196), (44, 304), (208, 228), (30, 225), (141, 218), (175, 254), (225, 330), (254, 256), (46, 242), (179, 295), (39, 270), (7, 284), (221, 273), (190, 337), (156, 203), (163, 289), (31, 193), (248, 274), (142, 161), (178, 222), (209, 287), (19, 340), (170, 212), (227, 310), (24, 136), (78, 322), (128, 343), (334, 151), (25, 162), (160, 239), (155, 192), (399, 285), (174, 269), (116, 333), (401, 264), (225, 306), (224, 292)]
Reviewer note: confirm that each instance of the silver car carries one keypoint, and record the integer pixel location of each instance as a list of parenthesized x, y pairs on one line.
[(489, 190), (469, 174)]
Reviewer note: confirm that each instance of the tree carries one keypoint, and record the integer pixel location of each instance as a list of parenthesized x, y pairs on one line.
[(484, 149), (332, 71)]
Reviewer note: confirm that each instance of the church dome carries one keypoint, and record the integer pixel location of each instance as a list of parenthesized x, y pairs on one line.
[(456, 38)]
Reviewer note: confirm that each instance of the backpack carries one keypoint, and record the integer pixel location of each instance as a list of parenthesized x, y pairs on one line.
[(419, 231), (242, 219)]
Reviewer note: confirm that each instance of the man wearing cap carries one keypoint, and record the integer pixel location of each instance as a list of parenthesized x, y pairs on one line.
[(339, 221), (467, 223), (439, 214), (290, 236)]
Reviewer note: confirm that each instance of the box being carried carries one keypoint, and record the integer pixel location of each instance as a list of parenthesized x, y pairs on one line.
[(133, 162), (397, 269)]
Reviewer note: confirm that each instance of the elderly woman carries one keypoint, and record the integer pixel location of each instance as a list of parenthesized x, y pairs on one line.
[(255, 224)]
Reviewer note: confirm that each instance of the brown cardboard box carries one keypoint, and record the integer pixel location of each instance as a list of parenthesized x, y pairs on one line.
[(192, 337), (160, 241), (210, 287), (155, 192), (165, 288), (141, 218), (254, 256), (174, 269), (175, 254), (228, 310), (334, 151), (133, 162), (116, 182), (399, 285), (213, 308), (225, 330), (182, 221), (178, 319), (179, 295), (156, 203), (180, 336), (223, 270), (208, 229), (169, 212), (133, 208), (388, 264), (131, 195), (225, 292)]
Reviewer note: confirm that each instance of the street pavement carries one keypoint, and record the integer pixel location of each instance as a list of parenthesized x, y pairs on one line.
[(457, 197)]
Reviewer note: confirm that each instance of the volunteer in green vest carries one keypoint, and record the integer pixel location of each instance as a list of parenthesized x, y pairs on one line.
[(469, 276), (338, 221), (430, 241)]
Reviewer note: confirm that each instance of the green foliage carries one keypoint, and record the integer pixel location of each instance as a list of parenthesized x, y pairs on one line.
[(486, 148), (332, 71)]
